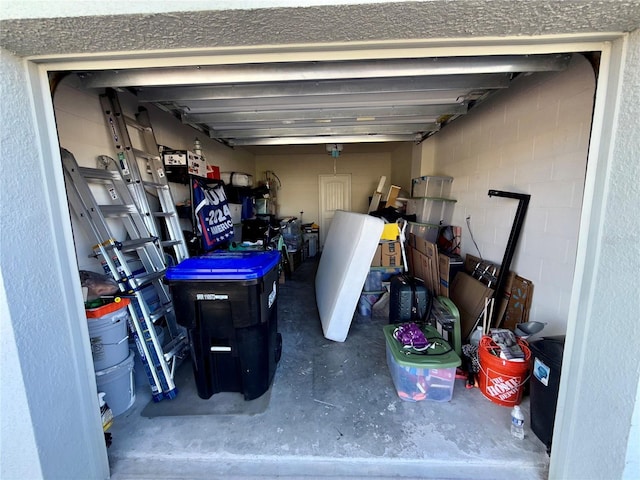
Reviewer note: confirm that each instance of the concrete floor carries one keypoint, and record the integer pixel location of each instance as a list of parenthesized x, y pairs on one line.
[(333, 412)]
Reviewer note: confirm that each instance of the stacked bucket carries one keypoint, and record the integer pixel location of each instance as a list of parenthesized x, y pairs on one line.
[(112, 360)]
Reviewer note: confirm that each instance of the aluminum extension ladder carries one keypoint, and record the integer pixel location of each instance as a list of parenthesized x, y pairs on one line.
[(136, 262), (119, 126)]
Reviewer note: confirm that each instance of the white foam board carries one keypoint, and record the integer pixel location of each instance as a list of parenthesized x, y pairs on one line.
[(349, 248)]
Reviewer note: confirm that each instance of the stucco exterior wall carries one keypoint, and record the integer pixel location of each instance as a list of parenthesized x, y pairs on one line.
[(605, 350), (55, 412), (61, 424)]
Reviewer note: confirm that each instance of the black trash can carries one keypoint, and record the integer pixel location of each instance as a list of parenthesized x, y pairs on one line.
[(546, 358), (227, 301)]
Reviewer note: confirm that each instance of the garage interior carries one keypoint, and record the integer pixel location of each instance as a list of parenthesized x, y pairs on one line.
[(54, 38), (283, 118)]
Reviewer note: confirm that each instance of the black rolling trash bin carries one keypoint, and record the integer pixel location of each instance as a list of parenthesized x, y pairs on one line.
[(227, 301), (546, 358)]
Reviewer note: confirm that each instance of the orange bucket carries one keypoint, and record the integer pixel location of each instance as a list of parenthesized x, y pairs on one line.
[(502, 381)]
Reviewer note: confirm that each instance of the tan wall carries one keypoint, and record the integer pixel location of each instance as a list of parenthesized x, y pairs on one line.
[(299, 177), (401, 160)]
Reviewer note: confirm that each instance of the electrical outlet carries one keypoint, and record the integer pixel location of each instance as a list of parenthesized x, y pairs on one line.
[(468, 218)]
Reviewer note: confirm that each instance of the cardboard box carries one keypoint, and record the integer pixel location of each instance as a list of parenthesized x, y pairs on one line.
[(390, 254), (179, 164), (432, 270), (519, 302), (449, 266), (415, 264), (469, 294), (377, 257), (487, 272), (421, 244), (425, 266), (443, 267)]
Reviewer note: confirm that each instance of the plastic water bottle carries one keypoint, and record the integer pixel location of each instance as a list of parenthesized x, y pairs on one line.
[(476, 336), (517, 422)]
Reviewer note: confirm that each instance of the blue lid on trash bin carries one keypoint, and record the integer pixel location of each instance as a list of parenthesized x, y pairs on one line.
[(238, 265)]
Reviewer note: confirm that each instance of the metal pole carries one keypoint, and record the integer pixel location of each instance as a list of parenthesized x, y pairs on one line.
[(523, 203)]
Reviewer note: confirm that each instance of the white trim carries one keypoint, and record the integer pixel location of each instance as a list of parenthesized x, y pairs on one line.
[(326, 52), (599, 160), (66, 265)]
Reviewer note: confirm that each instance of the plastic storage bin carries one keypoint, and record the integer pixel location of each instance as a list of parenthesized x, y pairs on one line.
[(312, 239), (435, 211), (228, 303), (431, 186), (429, 376), (237, 179), (423, 230), (546, 355)]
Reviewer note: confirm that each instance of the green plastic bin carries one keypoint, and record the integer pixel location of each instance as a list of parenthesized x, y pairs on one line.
[(429, 375)]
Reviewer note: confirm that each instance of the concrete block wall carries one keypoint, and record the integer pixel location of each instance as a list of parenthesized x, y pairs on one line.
[(532, 138), (300, 185)]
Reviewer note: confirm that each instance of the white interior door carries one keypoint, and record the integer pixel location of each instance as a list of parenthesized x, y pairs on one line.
[(335, 194)]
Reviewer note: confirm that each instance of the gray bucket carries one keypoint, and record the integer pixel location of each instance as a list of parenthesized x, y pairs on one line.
[(108, 335), (117, 384)]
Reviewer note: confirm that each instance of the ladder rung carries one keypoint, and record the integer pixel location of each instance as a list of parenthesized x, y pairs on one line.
[(118, 210), (159, 186), (129, 245), (146, 155), (170, 243), (97, 173), (140, 280), (175, 347), (132, 122), (160, 312), (163, 214)]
